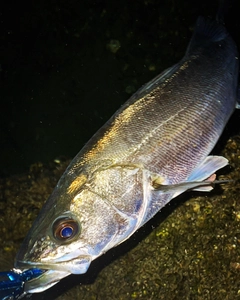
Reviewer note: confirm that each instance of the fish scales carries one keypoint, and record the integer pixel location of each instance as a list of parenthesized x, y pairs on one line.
[(154, 148), (167, 124)]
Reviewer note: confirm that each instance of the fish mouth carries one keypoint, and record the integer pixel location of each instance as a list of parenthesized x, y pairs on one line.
[(53, 272), (44, 281)]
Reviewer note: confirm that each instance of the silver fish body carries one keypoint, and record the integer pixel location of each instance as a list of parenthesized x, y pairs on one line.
[(154, 147)]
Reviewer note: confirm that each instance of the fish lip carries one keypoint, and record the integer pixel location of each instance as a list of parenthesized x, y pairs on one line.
[(53, 272), (44, 281), (78, 265)]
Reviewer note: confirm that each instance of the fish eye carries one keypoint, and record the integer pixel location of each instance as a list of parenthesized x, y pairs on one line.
[(65, 229)]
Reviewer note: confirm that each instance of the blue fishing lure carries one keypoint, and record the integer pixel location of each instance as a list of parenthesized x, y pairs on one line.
[(12, 283)]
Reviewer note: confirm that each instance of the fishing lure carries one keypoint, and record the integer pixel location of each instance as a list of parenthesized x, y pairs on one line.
[(12, 283)]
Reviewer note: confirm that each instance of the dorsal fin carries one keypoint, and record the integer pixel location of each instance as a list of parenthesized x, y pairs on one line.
[(206, 31)]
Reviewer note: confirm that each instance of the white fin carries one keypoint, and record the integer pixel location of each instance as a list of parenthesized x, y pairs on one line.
[(208, 167), (179, 188), (201, 179)]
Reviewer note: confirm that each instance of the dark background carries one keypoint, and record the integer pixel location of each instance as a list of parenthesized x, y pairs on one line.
[(60, 81)]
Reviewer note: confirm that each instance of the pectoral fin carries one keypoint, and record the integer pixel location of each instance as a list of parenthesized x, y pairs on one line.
[(179, 188), (201, 179), (208, 167)]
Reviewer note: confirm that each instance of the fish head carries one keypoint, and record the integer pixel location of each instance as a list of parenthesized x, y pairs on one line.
[(83, 218)]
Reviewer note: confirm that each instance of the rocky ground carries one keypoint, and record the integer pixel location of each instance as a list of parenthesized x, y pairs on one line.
[(190, 250)]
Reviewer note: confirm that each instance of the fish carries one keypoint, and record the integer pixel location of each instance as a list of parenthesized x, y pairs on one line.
[(155, 147)]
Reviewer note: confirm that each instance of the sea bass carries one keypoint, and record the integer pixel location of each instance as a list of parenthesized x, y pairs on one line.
[(154, 148)]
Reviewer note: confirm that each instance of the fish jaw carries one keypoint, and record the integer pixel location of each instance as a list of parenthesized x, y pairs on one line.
[(54, 272), (79, 265), (44, 281)]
